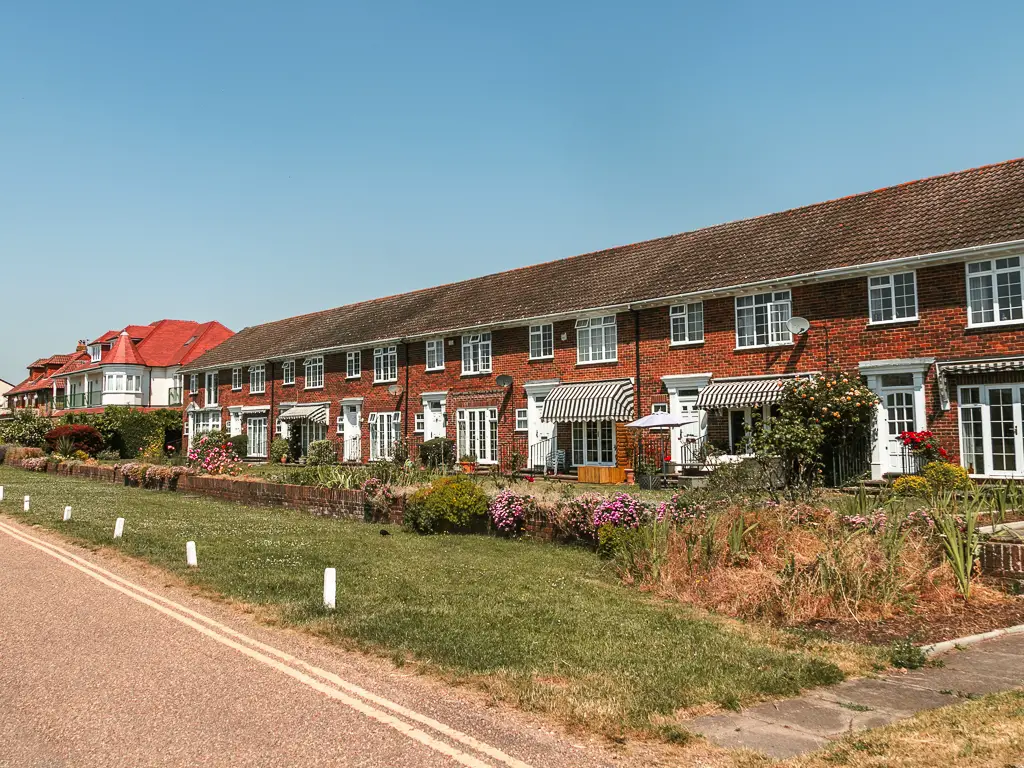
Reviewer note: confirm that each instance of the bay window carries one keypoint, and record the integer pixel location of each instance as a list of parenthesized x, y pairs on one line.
[(597, 339), (477, 433), (687, 322), (435, 355), (385, 364), (892, 297), (994, 291), (542, 341), (476, 353), (122, 382), (593, 443), (314, 372), (257, 379), (385, 433), (761, 319)]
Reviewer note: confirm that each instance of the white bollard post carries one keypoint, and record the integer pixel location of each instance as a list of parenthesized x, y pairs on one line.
[(190, 554), (26, 504), (67, 514), (1, 493), (118, 528), (330, 587)]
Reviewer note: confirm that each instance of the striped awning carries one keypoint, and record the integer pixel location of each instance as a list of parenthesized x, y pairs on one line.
[(593, 401), (971, 367), (315, 413), (740, 394)]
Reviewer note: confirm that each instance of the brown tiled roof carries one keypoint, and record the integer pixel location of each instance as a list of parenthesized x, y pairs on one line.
[(968, 208)]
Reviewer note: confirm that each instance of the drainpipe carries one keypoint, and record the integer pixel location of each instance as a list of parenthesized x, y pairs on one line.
[(271, 420), (636, 354), (405, 394)]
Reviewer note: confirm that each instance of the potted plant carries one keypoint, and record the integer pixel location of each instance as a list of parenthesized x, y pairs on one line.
[(468, 463)]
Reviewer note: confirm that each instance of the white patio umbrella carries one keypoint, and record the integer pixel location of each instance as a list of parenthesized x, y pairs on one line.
[(661, 420)]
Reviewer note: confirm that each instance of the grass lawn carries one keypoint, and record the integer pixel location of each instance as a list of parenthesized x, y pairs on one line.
[(545, 627)]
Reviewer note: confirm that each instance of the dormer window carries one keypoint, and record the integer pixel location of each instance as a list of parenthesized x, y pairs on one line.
[(95, 352)]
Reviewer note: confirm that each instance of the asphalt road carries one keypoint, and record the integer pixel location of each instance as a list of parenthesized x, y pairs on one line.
[(106, 662)]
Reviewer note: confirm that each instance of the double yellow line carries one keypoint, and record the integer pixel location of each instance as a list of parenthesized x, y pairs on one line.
[(429, 732)]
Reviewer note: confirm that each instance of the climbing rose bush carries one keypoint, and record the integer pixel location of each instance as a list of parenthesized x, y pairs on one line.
[(924, 444), (509, 510), (622, 511), (212, 456)]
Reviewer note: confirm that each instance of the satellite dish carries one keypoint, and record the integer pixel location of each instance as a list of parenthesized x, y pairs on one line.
[(504, 380), (395, 389), (797, 325)]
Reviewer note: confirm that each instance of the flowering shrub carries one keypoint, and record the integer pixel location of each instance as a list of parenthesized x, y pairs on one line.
[(508, 511), (36, 463), (680, 511), (212, 456), (81, 436), (943, 476), (911, 485), (574, 518), (379, 498), (875, 520), (449, 504), (622, 510), (924, 444)]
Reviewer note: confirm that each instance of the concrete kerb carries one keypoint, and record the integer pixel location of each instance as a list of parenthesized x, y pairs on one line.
[(963, 642)]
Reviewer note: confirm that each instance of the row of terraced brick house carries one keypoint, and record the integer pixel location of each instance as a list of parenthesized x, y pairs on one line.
[(916, 288)]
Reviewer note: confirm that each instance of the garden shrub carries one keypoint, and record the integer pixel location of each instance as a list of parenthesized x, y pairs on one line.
[(448, 505), (573, 518), (613, 540), (379, 498), (509, 511), (943, 476), (25, 428), (278, 449), (911, 485), (20, 453), (322, 453), (680, 509), (240, 444), (211, 455), (3, 453), (82, 436), (437, 453), (129, 430), (622, 510)]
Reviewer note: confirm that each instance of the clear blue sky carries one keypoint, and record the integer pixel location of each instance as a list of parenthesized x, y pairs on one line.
[(245, 161)]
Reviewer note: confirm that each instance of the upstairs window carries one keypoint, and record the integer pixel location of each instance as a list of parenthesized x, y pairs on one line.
[(994, 291), (687, 322), (353, 364), (435, 355), (257, 379), (288, 372), (596, 339), (212, 382), (120, 382), (892, 297), (385, 364), (236, 379), (314, 371), (95, 353), (542, 341), (761, 319), (193, 383), (476, 353)]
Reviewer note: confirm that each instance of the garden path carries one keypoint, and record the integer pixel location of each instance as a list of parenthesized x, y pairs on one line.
[(792, 727)]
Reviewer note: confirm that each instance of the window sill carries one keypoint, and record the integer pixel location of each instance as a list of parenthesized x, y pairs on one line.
[(597, 362), (465, 375), (766, 346), (306, 389), (900, 321), (353, 378), (236, 390), (540, 359), (259, 392), (685, 343), (434, 370), (385, 381), (994, 326)]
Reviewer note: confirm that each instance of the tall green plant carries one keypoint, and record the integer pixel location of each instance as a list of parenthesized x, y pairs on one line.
[(959, 536)]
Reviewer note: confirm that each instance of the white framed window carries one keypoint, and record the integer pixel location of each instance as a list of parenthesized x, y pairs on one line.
[(178, 382), (204, 421), (477, 433), (994, 291), (234, 423), (257, 380), (435, 355), (542, 341), (419, 423), (95, 353), (593, 443), (476, 353), (212, 386), (314, 371), (121, 382), (193, 383), (257, 433), (686, 322), (288, 372), (892, 298), (597, 340), (385, 364), (353, 364), (522, 420), (659, 407), (761, 319), (385, 432), (236, 379)]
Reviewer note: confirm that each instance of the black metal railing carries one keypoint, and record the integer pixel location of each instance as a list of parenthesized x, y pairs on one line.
[(846, 463), (174, 396), (545, 457), (694, 452), (912, 463)]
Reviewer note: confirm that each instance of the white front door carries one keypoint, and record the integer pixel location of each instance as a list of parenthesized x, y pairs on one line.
[(257, 435), (687, 439), (352, 433), (542, 434), (1004, 416), (433, 420), (899, 417)]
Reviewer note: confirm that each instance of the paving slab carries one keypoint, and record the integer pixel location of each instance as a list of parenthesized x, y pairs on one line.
[(885, 695), (957, 681), (742, 732), (1004, 666), (815, 716)]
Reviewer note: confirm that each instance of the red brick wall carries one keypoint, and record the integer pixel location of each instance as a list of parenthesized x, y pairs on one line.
[(840, 337)]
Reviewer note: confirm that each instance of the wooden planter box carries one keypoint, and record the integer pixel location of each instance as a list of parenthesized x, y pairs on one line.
[(602, 475)]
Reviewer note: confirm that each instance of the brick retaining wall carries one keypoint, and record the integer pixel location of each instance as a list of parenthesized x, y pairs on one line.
[(1003, 559)]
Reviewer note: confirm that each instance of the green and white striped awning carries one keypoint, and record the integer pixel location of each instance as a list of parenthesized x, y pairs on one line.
[(315, 413), (593, 401), (746, 393)]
